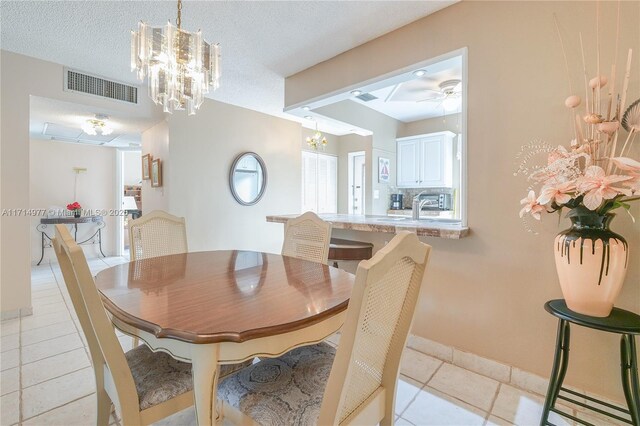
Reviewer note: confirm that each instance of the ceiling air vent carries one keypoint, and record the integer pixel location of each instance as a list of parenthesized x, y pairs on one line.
[(84, 83), (366, 97)]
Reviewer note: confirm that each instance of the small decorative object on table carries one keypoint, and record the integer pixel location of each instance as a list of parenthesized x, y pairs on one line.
[(591, 178), (76, 208)]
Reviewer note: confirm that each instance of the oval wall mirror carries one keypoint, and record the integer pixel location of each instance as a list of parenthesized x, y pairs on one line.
[(248, 178)]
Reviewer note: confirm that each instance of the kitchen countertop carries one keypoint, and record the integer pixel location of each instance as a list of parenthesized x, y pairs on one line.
[(386, 224), (428, 214)]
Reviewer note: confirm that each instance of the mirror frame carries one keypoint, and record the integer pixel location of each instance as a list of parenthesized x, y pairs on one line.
[(264, 178)]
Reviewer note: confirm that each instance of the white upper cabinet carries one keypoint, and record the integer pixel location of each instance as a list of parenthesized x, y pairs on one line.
[(408, 155), (425, 161)]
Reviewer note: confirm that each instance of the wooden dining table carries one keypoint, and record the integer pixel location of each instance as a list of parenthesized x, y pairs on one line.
[(222, 307)]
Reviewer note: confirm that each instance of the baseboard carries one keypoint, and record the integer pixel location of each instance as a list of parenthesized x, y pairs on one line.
[(16, 313), (503, 373)]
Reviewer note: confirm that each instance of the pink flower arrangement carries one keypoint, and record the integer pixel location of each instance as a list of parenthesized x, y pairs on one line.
[(595, 174)]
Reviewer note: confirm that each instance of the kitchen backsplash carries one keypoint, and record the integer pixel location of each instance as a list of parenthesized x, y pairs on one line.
[(409, 193)]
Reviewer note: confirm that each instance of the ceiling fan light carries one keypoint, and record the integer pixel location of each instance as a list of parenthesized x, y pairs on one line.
[(450, 104)]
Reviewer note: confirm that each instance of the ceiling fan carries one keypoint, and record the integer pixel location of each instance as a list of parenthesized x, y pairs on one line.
[(419, 90), (449, 92)]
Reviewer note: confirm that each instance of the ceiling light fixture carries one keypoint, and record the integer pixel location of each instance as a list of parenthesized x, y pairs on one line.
[(317, 140), (181, 67), (419, 73), (306, 108), (450, 103), (356, 92), (308, 117), (97, 126)]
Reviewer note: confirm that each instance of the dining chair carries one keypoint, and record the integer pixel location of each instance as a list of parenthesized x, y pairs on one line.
[(307, 237), (144, 386), (157, 234), (357, 384)]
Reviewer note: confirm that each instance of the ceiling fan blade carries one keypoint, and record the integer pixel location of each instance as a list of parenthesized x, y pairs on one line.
[(438, 98)]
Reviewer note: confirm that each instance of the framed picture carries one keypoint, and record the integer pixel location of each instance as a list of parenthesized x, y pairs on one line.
[(146, 166), (383, 170), (156, 173)]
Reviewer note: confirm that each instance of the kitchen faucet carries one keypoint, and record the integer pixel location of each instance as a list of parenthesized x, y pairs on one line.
[(417, 205)]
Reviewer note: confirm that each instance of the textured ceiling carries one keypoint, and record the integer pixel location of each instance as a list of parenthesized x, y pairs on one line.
[(262, 42)]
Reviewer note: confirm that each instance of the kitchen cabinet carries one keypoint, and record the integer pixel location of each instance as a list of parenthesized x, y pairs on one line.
[(425, 161)]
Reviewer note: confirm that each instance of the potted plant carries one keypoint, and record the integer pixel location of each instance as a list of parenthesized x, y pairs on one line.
[(591, 178), (75, 208)]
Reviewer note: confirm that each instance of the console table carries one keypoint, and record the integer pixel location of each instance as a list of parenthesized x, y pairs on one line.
[(95, 238)]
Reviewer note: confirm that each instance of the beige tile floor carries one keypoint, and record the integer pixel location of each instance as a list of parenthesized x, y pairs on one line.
[(47, 379)]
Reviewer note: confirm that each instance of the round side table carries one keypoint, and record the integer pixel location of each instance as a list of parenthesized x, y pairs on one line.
[(622, 322)]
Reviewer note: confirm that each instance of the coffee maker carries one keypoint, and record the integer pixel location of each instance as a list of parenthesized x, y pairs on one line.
[(396, 202)]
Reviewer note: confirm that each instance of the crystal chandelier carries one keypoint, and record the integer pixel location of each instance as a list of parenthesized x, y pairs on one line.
[(181, 66), (97, 126), (317, 140)]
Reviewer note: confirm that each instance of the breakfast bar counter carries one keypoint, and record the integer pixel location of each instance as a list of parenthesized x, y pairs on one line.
[(385, 224)]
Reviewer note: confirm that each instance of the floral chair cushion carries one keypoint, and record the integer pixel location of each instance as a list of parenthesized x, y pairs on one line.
[(282, 391), (159, 377)]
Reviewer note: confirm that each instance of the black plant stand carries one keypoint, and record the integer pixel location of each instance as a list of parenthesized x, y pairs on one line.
[(622, 322)]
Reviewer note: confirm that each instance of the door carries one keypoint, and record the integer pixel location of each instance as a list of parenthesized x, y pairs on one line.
[(357, 173), (408, 153), (309, 181), (327, 184), (319, 182)]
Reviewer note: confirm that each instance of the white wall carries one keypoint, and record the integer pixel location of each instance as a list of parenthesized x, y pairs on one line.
[(23, 76), (201, 149), (131, 167), (155, 141), (485, 293), (451, 122), (51, 178)]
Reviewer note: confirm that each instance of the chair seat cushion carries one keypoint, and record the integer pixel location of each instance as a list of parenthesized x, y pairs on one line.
[(159, 377), (282, 391)]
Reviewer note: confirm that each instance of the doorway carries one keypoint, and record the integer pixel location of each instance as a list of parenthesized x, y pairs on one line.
[(129, 194), (356, 190)]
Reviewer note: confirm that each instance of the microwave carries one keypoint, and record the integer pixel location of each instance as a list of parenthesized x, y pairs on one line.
[(442, 202)]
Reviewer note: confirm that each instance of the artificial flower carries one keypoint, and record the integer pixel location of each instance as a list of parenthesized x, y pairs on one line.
[(597, 186), (626, 164), (531, 206), (558, 192)]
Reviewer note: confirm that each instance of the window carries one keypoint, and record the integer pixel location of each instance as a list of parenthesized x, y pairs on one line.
[(319, 182)]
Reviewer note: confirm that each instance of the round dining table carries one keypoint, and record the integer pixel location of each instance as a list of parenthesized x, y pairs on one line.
[(221, 307)]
